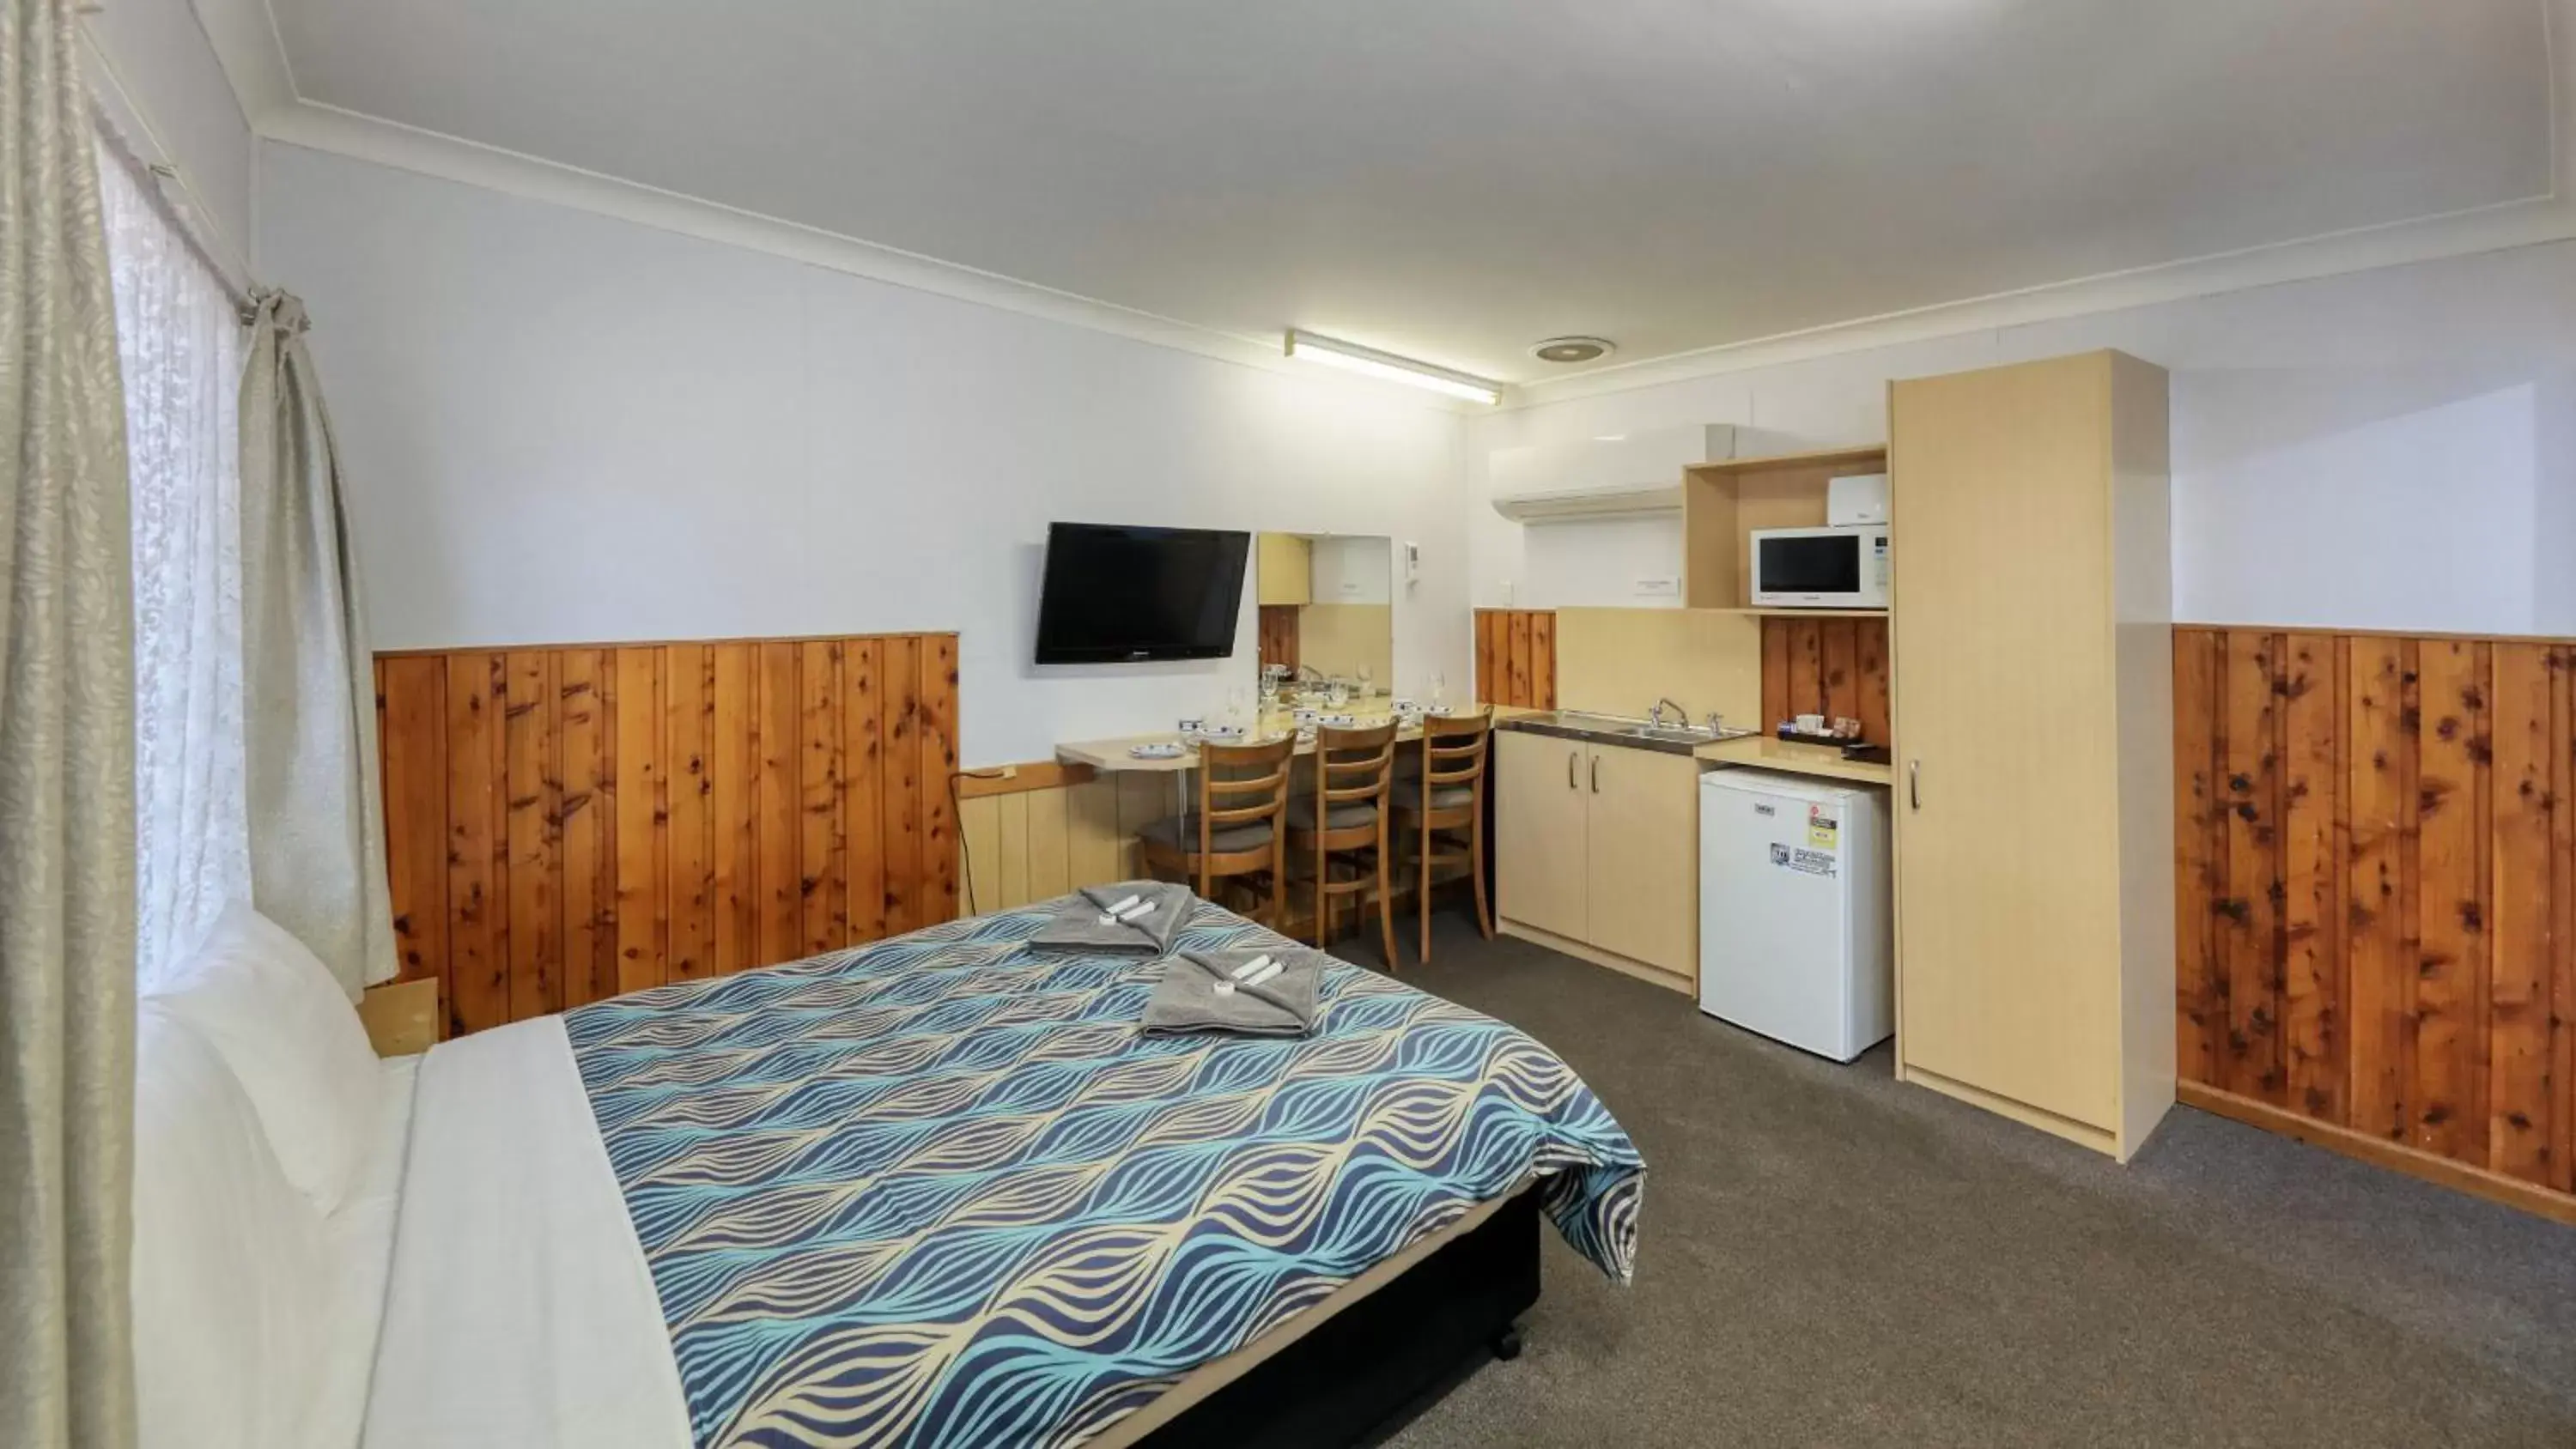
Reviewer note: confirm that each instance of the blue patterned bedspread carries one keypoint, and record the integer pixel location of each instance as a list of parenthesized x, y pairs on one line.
[(941, 1191)]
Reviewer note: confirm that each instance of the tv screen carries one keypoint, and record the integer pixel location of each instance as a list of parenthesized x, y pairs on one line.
[(1115, 595)]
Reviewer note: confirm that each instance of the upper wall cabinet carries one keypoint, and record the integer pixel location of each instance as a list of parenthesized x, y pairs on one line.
[(1725, 501), (1286, 570), (1614, 473)]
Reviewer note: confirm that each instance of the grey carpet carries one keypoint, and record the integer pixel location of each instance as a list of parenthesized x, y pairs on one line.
[(1831, 1258)]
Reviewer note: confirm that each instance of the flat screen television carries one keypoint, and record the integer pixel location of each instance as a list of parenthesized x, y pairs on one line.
[(1116, 595)]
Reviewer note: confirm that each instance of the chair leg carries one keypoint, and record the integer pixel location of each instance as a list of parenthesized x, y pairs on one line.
[(1476, 867), (1422, 886), (1385, 893)]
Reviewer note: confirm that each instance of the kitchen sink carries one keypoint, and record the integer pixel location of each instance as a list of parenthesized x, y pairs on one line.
[(1615, 729)]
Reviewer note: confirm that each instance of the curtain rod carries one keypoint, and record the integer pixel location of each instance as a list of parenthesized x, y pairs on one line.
[(195, 223)]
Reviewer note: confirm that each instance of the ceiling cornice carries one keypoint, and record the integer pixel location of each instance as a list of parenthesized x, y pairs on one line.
[(248, 45)]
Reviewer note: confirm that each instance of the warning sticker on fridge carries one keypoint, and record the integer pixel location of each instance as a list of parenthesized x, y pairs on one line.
[(1824, 832), (1802, 860)]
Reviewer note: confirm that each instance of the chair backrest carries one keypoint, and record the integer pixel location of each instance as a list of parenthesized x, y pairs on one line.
[(1454, 749), (1354, 764), (1239, 784)]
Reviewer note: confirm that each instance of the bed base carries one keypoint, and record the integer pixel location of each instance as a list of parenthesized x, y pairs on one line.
[(1369, 1369)]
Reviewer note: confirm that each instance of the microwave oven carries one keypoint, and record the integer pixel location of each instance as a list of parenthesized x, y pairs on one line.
[(1821, 568)]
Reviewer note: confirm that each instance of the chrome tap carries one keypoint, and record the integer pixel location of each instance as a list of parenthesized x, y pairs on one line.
[(1655, 716)]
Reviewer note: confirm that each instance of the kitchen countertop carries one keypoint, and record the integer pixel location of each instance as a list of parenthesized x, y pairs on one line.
[(1764, 752), (1607, 730)]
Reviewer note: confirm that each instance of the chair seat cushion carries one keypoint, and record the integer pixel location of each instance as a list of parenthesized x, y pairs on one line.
[(1181, 833), (1408, 796), (1345, 815)]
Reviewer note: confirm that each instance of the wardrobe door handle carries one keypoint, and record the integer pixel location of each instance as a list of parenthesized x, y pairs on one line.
[(1914, 782), (1596, 774)]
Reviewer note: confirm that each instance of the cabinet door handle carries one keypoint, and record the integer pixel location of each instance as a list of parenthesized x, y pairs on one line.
[(1596, 774), (1570, 757), (1914, 782)]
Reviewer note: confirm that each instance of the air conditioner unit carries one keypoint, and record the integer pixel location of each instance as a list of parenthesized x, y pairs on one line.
[(1605, 476)]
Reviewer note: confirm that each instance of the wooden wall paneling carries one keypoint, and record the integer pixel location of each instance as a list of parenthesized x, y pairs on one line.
[(899, 775), (532, 792), (938, 770), (2379, 945), (1516, 667), (862, 789), (1775, 675), (1490, 686), (478, 854), (2250, 921), (1050, 868), (780, 813), (2562, 1014), (1096, 852), (979, 835), (2200, 859), (1806, 666), (1011, 843), (2528, 719), (1839, 666), (586, 763), (692, 897), (822, 850), (2312, 856), (1143, 798), (1542, 665), (640, 811), (567, 823), (411, 727), (733, 767), (1877, 713), (2452, 903), (2453, 899), (1278, 633)]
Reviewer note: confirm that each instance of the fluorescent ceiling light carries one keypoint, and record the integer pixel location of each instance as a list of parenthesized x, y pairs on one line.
[(1351, 357)]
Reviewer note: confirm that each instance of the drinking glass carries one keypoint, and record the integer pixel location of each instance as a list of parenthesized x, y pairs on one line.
[(1439, 692)]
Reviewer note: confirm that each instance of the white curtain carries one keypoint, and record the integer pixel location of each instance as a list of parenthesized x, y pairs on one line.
[(66, 770), (317, 817), (180, 338)]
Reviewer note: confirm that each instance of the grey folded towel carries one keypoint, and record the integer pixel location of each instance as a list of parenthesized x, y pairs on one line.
[(1187, 999), (1078, 923)]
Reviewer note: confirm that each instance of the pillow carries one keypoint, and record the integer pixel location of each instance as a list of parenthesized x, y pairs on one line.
[(232, 1277), (279, 1020)]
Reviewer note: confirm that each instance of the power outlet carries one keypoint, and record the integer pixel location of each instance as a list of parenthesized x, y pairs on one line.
[(1662, 586)]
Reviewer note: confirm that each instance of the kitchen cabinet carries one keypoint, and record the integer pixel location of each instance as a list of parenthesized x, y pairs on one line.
[(1596, 852), (1285, 569), (2034, 721), (1541, 832)]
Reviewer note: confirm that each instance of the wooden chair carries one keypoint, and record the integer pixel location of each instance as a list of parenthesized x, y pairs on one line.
[(1354, 772), (1448, 793), (1235, 831)]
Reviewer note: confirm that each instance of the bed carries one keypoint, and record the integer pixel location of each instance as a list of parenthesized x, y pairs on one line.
[(940, 1191)]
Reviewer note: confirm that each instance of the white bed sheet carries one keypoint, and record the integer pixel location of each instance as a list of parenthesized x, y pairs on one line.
[(358, 1241), (520, 1311)]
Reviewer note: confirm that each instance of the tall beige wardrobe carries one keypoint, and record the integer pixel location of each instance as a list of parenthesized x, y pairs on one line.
[(2031, 614)]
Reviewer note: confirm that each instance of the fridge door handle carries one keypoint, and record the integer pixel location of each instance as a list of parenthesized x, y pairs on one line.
[(1914, 783)]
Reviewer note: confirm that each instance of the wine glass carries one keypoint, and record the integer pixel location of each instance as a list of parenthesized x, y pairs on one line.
[(1364, 690), (1439, 692)]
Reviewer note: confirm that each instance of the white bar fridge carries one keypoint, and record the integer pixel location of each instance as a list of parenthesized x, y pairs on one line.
[(1794, 936)]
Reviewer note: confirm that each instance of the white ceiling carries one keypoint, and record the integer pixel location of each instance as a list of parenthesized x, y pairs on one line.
[(1455, 179)]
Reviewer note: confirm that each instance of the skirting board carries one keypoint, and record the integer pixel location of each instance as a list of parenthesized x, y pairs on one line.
[(2082, 1134), (2513, 1192), (1626, 966)]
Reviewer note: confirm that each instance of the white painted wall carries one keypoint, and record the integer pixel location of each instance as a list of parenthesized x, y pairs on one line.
[(562, 427), (154, 57), (2387, 449)]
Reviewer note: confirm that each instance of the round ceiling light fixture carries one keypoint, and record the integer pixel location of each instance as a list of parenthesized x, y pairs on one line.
[(1563, 350)]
